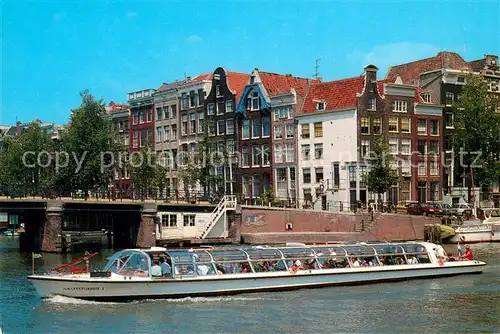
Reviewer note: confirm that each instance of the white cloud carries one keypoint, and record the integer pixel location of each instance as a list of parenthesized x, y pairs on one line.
[(194, 39), (386, 55), (131, 15)]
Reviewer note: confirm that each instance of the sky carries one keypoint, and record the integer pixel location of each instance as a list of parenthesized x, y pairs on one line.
[(52, 50)]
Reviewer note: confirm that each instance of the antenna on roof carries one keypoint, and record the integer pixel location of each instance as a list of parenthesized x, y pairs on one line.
[(185, 76), (316, 73)]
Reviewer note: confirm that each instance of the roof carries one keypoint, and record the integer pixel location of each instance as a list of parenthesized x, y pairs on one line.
[(477, 65), (236, 82), (115, 107), (172, 85), (410, 72), (337, 94), (206, 76), (279, 83)]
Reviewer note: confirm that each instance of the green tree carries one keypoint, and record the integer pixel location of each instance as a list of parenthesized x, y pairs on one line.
[(89, 147), (142, 166), (380, 176), (160, 178), (477, 134), (11, 173)]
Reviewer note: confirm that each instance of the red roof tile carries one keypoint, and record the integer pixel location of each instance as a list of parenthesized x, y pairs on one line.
[(410, 72), (236, 82), (206, 76), (337, 94), (279, 84)]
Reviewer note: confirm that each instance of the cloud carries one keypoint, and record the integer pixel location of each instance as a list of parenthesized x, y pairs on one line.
[(386, 55), (131, 15), (59, 16), (194, 39)]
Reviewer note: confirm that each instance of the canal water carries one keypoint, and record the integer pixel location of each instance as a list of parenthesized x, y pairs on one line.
[(460, 304)]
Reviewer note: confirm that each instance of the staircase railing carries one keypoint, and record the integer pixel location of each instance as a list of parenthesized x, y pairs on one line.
[(228, 202)]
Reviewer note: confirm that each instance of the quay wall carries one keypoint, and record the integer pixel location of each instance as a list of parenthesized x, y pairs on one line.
[(262, 225)]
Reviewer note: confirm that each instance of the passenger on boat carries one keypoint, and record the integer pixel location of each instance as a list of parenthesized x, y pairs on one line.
[(166, 270), (156, 269), (468, 254), (412, 260), (440, 253), (355, 263)]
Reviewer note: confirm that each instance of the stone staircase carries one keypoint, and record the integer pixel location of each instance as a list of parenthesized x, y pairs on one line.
[(228, 202), (366, 223)]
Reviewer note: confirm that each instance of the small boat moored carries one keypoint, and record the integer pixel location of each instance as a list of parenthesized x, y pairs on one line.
[(161, 273), (486, 229)]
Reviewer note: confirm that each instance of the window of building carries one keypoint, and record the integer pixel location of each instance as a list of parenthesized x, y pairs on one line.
[(278, 153), (422, 127), (246, 156), (405, 125), (393, 146), (372, 104), (266, 155), (290, 131), (494, 86), (318, 151), (461, 79), (135, 117), (173, 111), (318, 171), (422, 191), (306, 175), (192, 124), (433, 147), (433, 168), (306, 152), (192, 99), (143, 138), (189, 220), (399, 106), (256, 185), (448, 144), (245, 180), (393, 124), (278, 132), (406, 167), (281, 180), (422, 147), (365, 125), (256, 155), (217, 90), (450, 98), (184, 125), (201, 122), (184, 101), (320, 106), (434, 127), (245, 133), (318, 130), (352, 177), (169, 220), (426, 97), (449, 120), (305, 131), (174, 132), (141, 117), (221, 128), (377, 125), (220, 108), (159, 114), (135, 140), (307, 194), (256, 128), (282, 113), (253, 101), (210, 109), (201, 97), (336, 175), (166, 112), (229, 126), (405, 146), (289, 153), (229, 106), (365, 148), (231, 147), (150, 116), (159, 134), (435, 191), (421, 168), (266, 126)]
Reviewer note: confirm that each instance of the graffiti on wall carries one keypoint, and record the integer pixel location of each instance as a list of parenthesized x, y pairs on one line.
[(255, 220)]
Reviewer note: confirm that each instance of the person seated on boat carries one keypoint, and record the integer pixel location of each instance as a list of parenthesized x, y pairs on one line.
[(202, 269), (412, 260), (364, 263), (297, 265), (166, 270), (440, 253), (156, 269), (467, 255), (355, 263), (400, 260)]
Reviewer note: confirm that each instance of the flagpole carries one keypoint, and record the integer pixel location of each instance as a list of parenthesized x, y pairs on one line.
[(33, 262)]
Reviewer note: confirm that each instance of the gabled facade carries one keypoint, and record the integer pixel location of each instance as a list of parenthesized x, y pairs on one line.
[(220, 112), (141, 119)]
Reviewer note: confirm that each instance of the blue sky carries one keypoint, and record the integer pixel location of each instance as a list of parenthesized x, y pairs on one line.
[(51, 50)]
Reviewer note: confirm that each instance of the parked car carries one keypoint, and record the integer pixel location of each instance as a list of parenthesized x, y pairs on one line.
[(447, 210), (463, 210), (424, 209)]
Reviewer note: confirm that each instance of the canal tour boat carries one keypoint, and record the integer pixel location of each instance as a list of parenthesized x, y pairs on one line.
[(485, 230), (130, 273)]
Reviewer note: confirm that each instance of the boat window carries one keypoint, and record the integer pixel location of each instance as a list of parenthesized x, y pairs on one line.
[(229, 255), (233, 267), (296, 253), (117, 261), (137, 264), (266, 266), (264, 254), (184, 269), (360, 250), (204, 269)]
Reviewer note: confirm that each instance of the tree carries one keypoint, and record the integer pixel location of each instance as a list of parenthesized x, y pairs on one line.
[(477, 133), (11, 173), (380, 177), (160, 178), (89, 147), (142, 166)]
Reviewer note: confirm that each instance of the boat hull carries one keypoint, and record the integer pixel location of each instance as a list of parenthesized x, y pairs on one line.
[(130, 289), (477, 233)]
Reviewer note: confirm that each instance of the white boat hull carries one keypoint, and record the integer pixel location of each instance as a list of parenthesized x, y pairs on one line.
[(477, 233), (123, 288)]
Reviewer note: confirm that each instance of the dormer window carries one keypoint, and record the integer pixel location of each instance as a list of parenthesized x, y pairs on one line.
[(320, 106), (253, 101), (426, 97)]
